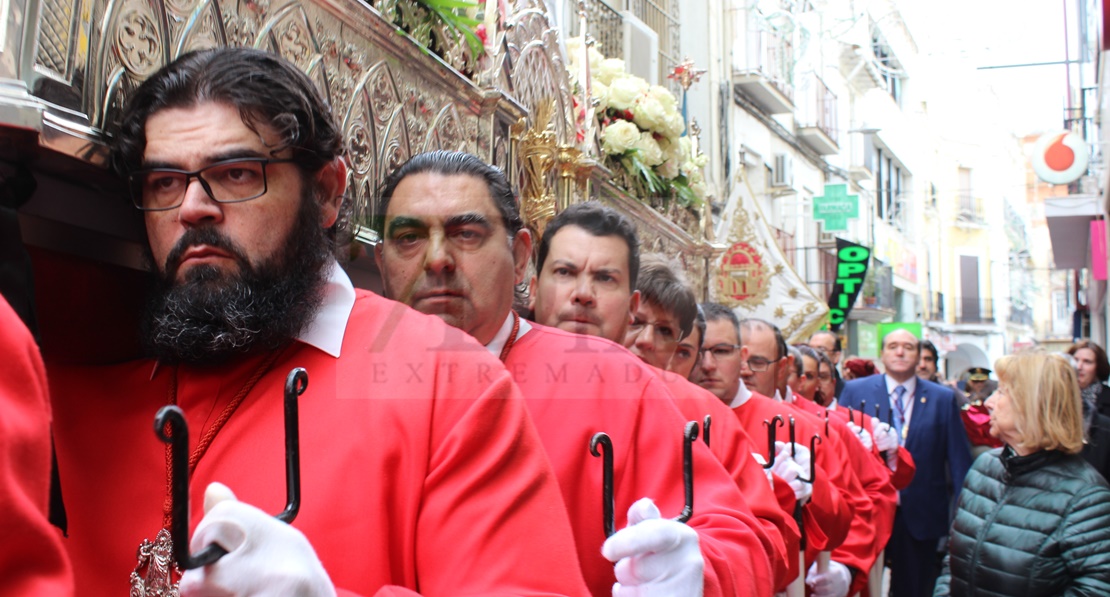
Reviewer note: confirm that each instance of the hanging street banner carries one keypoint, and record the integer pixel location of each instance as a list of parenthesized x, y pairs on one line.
[(754, 278), (835, 208), (851, 267)]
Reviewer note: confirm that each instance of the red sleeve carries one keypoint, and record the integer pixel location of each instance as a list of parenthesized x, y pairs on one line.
[(900, 477), (32, 561), (874, 518), (733, 449), (735, 563), (489, 493)]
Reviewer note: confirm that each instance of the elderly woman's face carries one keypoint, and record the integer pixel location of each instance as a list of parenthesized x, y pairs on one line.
[(1086, 366), (1003, 417)]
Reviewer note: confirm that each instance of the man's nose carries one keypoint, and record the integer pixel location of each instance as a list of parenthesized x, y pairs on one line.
[(583, 291), (197, 207), (438, 258)]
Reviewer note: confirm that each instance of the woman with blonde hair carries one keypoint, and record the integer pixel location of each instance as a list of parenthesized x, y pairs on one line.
[(1033, 517)]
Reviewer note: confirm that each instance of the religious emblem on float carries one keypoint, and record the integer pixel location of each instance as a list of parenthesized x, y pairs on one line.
[(743, 278), (1060, 157)]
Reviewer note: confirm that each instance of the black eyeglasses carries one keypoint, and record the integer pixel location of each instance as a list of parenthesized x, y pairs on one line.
[(759, 363), (721, 351), (228, 181)]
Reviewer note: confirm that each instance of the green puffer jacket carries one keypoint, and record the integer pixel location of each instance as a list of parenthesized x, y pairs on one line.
[(1029, 526)]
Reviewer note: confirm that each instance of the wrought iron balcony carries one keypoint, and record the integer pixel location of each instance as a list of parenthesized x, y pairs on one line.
[(817, 117), (765, 73)]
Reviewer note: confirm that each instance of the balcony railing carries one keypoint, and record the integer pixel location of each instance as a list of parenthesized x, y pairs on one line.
[(606, 25), (771, 55), (1021, 315), (822, 112), (974, 310), (934, 310), (970, 210)]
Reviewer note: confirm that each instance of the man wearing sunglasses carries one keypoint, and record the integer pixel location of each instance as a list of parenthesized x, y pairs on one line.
[(236, 162)]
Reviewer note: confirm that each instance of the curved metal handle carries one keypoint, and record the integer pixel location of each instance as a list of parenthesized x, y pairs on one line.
[(705, 428), (602, 439), (813, 441), (774, 422), (689, 436), (295, 385), (170, 418)]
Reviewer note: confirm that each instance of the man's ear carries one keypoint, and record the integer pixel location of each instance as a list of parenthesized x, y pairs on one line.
[(633, 305), (522, 254), (332, 182)]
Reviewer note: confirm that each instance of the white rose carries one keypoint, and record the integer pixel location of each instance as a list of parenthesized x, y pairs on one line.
[(673, 126), (648, 113), (664, 97), (619, 137), (623, 91), (608, 69), (600, 92), (650, 154)]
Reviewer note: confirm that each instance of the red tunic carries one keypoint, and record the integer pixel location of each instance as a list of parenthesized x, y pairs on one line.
[(420, 468), (576, 386), (828, 514), (32, 560), (874, 518), (733, 448), (903, 473)]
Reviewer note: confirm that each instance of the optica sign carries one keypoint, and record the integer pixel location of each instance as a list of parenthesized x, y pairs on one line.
[(852, 261)]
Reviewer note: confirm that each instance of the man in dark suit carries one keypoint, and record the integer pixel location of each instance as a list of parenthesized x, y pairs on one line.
[(927, 419)]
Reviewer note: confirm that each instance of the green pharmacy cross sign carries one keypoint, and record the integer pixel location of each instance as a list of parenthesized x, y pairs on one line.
[(835, 207)]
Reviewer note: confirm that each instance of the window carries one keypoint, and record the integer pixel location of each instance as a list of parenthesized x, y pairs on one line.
[(889, 67), (889, 183)]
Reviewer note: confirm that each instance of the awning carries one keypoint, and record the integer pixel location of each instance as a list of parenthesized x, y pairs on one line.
[(1069, 228)]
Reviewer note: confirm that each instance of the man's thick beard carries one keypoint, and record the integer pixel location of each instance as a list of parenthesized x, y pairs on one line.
[(213, 316)]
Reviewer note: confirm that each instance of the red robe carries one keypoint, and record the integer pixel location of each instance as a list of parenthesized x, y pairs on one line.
[(733, 448), (872, 524), (827, 517), (901, 476), (32, 559), (419, 466), (576, 386)]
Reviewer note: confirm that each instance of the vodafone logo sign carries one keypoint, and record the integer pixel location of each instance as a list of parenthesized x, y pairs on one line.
[(1060, 157)]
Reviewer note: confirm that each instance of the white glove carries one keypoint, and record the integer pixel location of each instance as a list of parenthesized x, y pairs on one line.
[(655, 557), (762, 463), (792, 473), (886, 440), (266, 557), (833, 583), (799, 454), (863, 436)]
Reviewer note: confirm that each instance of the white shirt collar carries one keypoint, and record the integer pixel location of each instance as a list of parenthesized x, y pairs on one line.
[(910, 385), (502, 335), (326, 330), (743, 394)]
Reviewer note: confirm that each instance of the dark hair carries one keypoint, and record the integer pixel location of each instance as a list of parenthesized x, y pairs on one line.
[(1102, 367), (780, 342), (929, 346), (453, 163), (718, 312), (598, 220), (836, 338), (661, 283), (699, 323), (799, 351), (265, 88)]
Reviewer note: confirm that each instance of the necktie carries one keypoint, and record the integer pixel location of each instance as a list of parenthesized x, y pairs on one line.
[(900, 409)]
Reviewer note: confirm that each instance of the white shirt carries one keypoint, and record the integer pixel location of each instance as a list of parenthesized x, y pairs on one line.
[(326, 329), (907, 400), (502, 335), (743, 394)]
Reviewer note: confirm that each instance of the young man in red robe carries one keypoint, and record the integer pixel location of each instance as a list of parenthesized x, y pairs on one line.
[(32, 559), (667, 311), (834, 496), (454, 245), (419, 468)]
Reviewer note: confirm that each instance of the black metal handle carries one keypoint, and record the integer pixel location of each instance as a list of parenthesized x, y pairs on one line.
[(774, 422), (705, 428), (689, 436), (602, 439), (171, 418), (813, 441)]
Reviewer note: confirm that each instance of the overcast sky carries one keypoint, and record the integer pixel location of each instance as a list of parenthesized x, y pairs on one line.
[(984, 33)]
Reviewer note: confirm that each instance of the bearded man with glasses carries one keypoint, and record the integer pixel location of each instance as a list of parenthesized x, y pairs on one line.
[(236, 162)]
